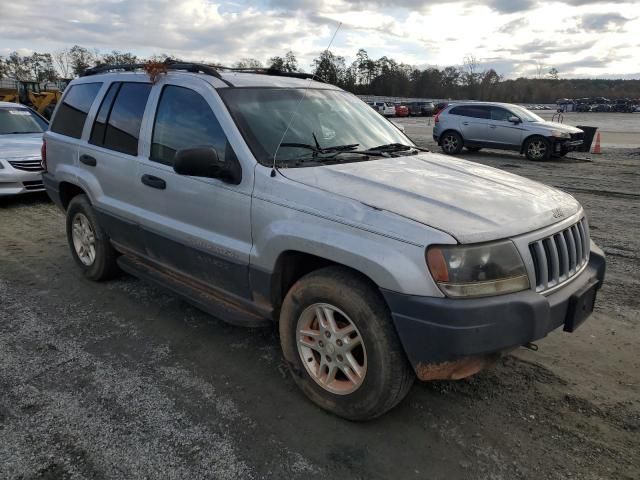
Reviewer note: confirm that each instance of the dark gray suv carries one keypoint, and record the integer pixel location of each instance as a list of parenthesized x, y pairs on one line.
[(503, 126)]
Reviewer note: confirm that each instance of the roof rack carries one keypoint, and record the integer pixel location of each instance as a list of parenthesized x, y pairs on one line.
[(200, 68)]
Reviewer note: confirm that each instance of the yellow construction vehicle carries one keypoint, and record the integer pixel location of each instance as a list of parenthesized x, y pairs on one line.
[(42, 100)]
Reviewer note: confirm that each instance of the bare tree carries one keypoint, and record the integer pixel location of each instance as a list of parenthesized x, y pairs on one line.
[(62, 61), (554, 74), (540, 68), (248, 63)]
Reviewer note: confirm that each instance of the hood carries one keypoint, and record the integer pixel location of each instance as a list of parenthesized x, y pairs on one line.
[(557, 126), (23, 146), (471, 202)]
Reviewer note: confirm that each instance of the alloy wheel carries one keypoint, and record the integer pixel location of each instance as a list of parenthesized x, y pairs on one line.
[(84, 239), (537, 149), (450, 144), (331, 348)]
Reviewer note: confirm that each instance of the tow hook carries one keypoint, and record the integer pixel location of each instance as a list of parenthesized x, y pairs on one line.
[(531, 346)]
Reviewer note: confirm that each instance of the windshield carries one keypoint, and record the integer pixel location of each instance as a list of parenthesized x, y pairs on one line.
[(525, 114), (323, 119), (20, 120)]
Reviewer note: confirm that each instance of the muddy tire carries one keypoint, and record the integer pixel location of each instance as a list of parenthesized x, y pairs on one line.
[(451, 143), (537, 148), (356, 368), (89, 244)]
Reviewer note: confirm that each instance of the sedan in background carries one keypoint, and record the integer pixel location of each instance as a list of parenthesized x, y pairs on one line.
[(21, 132), (402, 110)]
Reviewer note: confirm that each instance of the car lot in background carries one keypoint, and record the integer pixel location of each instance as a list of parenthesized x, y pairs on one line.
[(20, 143)]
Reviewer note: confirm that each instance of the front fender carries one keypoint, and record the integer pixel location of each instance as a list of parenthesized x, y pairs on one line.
[(389, 262)]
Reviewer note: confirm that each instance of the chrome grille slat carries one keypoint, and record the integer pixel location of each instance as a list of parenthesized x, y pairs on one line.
[(578, 240), (555, 262), (26, 165), (560, 256)]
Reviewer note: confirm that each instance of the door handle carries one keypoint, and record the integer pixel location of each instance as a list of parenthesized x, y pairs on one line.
[(153, 182), (465, 123), (88, 160)]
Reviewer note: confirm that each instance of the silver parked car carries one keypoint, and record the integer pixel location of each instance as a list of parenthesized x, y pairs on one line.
[(275, 199), (476, 125), (20, 143)]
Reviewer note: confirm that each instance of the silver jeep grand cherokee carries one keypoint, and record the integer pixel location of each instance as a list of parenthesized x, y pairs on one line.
[(503, 126), (268, 198)]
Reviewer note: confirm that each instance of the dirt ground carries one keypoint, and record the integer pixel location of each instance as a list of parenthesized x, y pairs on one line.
[(122, 380)]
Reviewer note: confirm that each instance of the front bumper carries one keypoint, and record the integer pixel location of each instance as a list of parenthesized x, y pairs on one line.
[(442, 331), (15, 182), (563, 146)]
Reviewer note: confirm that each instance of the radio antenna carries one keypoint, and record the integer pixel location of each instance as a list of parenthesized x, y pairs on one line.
[(295, 111)]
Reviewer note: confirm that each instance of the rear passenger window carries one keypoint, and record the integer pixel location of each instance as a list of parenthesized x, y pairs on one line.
[(117, 124), (470, 111), (72, 113), (183, 120)]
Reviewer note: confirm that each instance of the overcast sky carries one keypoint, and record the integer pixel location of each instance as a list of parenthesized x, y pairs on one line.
[(578, 37)]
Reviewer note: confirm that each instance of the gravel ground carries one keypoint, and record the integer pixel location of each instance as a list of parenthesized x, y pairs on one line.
[(122, 380)]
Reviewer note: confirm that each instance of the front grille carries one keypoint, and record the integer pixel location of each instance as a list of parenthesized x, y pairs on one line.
[(577, 136), (560, 256), (27, 165), (33, 185)]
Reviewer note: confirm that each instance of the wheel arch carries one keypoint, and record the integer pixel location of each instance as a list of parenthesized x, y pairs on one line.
[(292, 265), (68, 191)]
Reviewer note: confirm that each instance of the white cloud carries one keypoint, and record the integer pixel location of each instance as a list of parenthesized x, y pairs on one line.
[(513, 36)]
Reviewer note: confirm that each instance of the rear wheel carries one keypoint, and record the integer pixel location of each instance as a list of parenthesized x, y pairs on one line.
[(451, 143), (89, 244), (537, 148), (338, 340)]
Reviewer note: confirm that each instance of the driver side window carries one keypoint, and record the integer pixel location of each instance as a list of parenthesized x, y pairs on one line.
[(183, 120), (500, 114)]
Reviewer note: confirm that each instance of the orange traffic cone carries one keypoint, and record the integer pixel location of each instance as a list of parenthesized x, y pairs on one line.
[(596, 149)]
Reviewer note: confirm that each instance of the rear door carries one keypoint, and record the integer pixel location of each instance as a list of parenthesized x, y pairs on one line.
[(503, 133), (473, 122), (198, 226), (109, 157)]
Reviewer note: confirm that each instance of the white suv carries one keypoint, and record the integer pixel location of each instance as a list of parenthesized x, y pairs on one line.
[(267, 199)]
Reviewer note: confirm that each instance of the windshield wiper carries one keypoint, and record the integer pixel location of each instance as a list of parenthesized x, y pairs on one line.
[(395, 147), (16, 133)]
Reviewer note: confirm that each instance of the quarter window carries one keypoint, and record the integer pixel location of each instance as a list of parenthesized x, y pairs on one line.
[(72, 113), (184, 120)]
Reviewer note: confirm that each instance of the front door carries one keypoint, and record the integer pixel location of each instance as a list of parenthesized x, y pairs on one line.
[(200, 227), (502, 132)]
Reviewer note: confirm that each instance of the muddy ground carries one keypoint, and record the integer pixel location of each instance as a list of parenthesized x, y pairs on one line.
[(123, 380)]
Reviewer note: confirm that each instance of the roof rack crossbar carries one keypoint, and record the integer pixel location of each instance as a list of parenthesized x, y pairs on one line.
[(201, 68)]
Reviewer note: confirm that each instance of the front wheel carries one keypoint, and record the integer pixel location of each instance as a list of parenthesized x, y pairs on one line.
[(341, 347), (537, 148), (451, 143)]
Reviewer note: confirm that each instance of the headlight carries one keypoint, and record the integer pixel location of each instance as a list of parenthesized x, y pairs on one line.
[(477, 270), (559, 134)]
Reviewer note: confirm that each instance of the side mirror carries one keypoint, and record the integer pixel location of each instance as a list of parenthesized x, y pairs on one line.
[(204, 162), (514, 119)]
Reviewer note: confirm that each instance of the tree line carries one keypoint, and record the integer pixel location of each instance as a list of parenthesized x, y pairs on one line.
[(365, 75)]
